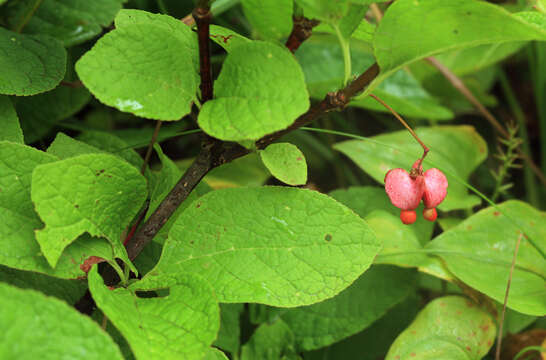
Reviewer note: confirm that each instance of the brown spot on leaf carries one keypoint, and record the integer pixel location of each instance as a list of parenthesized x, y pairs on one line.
[(299, 158), (413, 354), (89, 262), (468, 348), (76, 206), (328, 237), (496, 213), (198, 205)]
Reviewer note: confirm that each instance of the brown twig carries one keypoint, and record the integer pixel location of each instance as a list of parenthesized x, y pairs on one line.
[(376, 11), (150, 147), (73, 84), (203, 16), (104, 322), (461, 87), (425, 148), (499, 337), (301, 31)]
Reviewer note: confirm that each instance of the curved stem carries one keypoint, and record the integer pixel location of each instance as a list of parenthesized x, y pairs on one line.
[(28, 16), (425, 148), (499, 338), (151, 146), (346, 51)]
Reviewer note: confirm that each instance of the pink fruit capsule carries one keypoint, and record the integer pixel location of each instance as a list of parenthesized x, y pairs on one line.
[(435, 188), (404, 191)]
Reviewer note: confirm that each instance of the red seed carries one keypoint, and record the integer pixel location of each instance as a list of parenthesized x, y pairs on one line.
[(408, 216), (430, 214)]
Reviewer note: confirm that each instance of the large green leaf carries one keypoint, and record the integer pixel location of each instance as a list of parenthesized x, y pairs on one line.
[(229, 335), (374, 342), (68, 290), (433, 26), (18, 221), (456, 150), (479, 251), (30, 64), (154, 75), (352, 310), (248, 102), (181, 325), (285, 162), (71, 21), (272, 19), (269, 342), (40, 113), (450, 327), (96, 193), (282, 246), (322, 64), (10, 130), (33, 324)]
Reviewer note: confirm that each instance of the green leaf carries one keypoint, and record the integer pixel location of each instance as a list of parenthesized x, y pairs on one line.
[(30, 321), (269, 342), (272, 19), (374, 342), (68, 290), (469, 60), (10, 129), (96, 193), (229, 335), (449, 327), (39, 114), (214, 354), (65, 147), (181, 325), (30, 64), (481, 248), (401, 243), (112, 144), (245, 171), (70, 21), (298, 247), (17, 214), (456, 150), (163, 89), (352, 310), (227, 38), (247, 103), (329, 11), (163, 181), (434, 26), (19, 221), (285, 162), (401, 91)]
